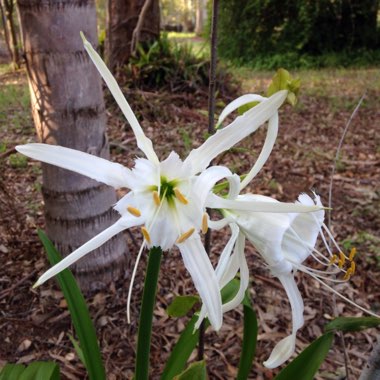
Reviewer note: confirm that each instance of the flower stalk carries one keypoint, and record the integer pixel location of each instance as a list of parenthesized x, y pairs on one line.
[(146, 314)]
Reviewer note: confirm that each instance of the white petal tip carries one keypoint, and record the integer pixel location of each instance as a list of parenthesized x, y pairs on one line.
[(37, 284), (283, 350)]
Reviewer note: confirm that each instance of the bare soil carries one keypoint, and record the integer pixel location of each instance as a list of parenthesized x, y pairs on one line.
[(35, 323)]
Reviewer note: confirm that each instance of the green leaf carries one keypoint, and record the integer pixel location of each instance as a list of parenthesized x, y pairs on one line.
[(247, 107), (182, 350), (189, 338), (195, 371), (11, 371), (352, 323), (249, 340), (41, 370), (282, 80), (78, 350), (79, 314), (306, 364), (181, 305), (146, 314), (34, 371)]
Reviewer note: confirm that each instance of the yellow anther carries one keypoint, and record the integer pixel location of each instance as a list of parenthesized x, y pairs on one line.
[(134, 211), (156, 198), (352, 254), (333, 259), (348, 274), (353, 267), (342, 260), (204, 223), (146, 234), (180, 196), (185, 236)]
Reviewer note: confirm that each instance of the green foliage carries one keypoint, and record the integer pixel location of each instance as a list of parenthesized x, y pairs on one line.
[(274, 33), (181, 305), (306, 364), (79, 314), (34, 371), (352, 323), (196, 371), (249, 340), (18, 161), (167, 65)]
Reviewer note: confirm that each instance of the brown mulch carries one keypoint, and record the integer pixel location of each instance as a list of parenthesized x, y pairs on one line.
[(35, 324)]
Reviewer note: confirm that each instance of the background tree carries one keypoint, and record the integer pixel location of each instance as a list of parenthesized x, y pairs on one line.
[(250, 28), (7, 10), (68, 110), (122, 19)]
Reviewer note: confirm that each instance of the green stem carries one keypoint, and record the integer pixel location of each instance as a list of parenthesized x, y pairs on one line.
[(146, 315)]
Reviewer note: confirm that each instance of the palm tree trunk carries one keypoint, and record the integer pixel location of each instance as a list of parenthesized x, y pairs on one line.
[(68, 110)]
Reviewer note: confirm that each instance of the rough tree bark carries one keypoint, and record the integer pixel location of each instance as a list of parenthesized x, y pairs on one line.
[(122, 19), (68, 110), (7, 12)]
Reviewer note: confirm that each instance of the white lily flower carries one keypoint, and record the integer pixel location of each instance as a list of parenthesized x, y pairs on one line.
[(168, 198), (285, 241)]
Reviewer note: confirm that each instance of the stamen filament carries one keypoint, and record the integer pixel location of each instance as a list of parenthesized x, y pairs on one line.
[(334, 259), (204, 223), (185, 236), (156, 198), (180, 196), (134, 211), (146, 235)]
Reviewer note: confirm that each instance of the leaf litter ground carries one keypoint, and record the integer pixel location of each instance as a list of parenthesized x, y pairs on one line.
[(35, 324)]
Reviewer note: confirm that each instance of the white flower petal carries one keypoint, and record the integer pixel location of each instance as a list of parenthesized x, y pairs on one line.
[(235, 104), (143, 142), (283, 350), (286, 347), (214, 201), (226, 253), (207, 180), (227, 137), (265, 152), (95, 242), (205, 281), (222, 267), (244, 276), (94, 167)]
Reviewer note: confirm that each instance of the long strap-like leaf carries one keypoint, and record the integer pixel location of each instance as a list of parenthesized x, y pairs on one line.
[(79, 314)]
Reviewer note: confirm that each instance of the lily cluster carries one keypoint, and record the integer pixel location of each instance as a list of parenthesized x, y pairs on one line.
[(168, 199)]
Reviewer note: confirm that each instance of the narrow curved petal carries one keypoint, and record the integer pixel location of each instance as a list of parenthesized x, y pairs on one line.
[(222, 267), (226, 253), (94, 167), (143, 142), (227, 137), (199, 266), (265, 151), (214, 201), (95, 242), (207, 180), (286, 347), (244, 276), (235, 104)]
